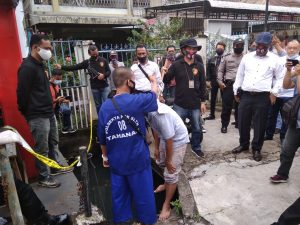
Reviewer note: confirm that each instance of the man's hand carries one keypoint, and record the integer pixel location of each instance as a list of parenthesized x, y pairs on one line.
[(170, 167), (289, 66), (208, 84), (275, 41), (156, 154), (105, 163), (297, 70), (272, 99), (237, 99), (222, 86), (57, 66), (203, 108), (100, 76), (60, 99)]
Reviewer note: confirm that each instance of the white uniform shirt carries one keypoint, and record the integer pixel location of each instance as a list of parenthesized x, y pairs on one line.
[(141, 81), (258, 74), (282, 92)]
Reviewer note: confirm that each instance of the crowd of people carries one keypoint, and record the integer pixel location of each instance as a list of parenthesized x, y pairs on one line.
[(130, 102)]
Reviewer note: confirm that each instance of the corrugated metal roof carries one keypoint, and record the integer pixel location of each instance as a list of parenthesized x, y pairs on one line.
[(258, 5)]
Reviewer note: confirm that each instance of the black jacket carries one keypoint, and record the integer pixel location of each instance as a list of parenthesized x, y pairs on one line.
[(212, 68), (99, 65), (185, 97), (33, 90)]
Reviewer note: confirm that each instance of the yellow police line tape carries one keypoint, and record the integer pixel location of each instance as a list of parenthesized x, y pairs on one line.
[(46, 160)]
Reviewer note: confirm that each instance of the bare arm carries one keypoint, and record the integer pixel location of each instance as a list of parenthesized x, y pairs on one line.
[(169, 155), (104, 156), (287, 81)]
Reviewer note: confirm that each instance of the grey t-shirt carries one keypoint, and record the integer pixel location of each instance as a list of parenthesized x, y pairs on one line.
[(168, 124), (111, 83)]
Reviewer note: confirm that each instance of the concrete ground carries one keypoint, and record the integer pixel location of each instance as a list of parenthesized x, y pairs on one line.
[(235, 190)]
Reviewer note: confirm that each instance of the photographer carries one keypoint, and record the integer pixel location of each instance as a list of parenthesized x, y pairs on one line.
[(164, 65), (113, 64), (60, 103)]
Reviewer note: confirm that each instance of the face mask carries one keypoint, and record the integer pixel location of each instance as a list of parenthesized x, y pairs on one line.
[(238, 50), (252, 49), (57, 82), (171, 57), (114, 61), (94, 58), (189, 55), (142, 60), (219, 51), (45, 54), (132, 88), (261, 50), (293, 56)]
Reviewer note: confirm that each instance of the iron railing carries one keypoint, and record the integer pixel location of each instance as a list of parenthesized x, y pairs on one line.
[(75, 84), (141, 3)]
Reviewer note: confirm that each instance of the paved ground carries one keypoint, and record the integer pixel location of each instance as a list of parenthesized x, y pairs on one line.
[(231, 190)]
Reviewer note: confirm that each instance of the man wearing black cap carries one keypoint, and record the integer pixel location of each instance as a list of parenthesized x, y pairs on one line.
[(226, 77), (257, 74), (190, 90)]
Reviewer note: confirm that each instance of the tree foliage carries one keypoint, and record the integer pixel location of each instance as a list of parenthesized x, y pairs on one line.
[(155, 33)]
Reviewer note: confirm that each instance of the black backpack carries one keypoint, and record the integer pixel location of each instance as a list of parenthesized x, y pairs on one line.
[(289, 111)]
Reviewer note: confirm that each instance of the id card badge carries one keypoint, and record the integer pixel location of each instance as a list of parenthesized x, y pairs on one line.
[(191, 84)]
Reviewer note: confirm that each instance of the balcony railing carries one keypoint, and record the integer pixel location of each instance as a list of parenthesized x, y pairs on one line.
[(141, 3), (119, 4)]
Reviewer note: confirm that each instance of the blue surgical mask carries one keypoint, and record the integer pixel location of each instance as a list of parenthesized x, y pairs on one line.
[(57, 82)]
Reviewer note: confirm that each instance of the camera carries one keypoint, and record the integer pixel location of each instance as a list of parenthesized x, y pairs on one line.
[(68, 98), (294, 61)]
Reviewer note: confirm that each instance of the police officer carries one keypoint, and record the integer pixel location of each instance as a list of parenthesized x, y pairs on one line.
[(211, 76), (226, 76)]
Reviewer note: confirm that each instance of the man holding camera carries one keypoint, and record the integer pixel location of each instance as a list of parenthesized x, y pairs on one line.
[(292, 50), (98, 70), (226, 77), (257, 74)]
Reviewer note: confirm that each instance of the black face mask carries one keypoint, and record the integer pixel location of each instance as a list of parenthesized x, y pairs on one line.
[(142, 60), (94, 58), (132, 88), (219, 51), (238, 50)]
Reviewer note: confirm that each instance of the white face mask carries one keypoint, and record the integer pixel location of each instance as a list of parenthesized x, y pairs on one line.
[(45, 54), (293, 56), (57, 82)]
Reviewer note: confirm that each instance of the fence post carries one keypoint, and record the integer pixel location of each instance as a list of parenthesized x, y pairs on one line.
[(85, 181), (129, 4), (55, 5), (7, 178)]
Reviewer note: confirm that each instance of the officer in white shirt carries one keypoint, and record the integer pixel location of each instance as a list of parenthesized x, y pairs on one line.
[(257, 75), (144, 69), (292, 50)]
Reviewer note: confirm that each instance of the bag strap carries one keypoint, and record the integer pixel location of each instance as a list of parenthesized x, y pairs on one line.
[(144, 72), (130, 122)]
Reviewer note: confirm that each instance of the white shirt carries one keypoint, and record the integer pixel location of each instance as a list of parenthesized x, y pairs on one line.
[(282, 92), (258, 74), (110, 78), (141, 81)]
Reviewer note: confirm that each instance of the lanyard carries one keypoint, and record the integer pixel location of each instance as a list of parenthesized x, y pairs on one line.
[(187, 74)]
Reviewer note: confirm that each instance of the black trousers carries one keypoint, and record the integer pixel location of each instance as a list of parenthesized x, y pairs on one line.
[(253, 107), (228, 102), (31, 206), (291, 216), (213, 96)]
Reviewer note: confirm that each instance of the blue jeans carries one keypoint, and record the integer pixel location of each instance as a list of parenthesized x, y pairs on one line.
[(65, 110), (100, 95), (194, 116), (272, 118), (45, 134)]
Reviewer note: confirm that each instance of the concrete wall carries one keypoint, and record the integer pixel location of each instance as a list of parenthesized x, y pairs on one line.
[(213, 26)]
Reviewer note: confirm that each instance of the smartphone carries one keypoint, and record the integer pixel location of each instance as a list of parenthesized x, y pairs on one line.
[(294, 61), (68, 98)]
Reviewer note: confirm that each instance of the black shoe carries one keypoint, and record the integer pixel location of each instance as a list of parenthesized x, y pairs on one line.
[(234, 123), (239, 149), (198, 153), (224, 130), (268, 138), (62, 219), (210, 117), (257, 156)]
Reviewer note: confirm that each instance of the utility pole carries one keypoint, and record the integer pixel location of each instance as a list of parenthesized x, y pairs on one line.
[(266, 15)]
